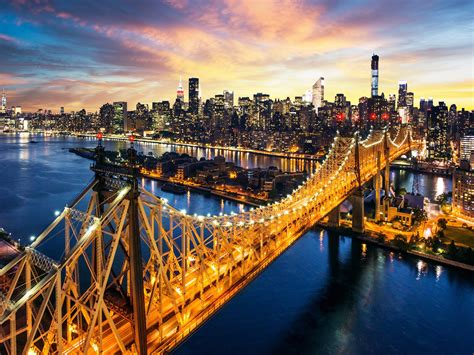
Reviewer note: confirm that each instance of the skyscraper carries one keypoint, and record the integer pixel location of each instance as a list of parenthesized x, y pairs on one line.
[(318, 93), (375, 75), (437, 135), (228, 99), (3, 106), (194, 95), (120, 117), (422, 104), (402, 93), (180, 91), (106, 117)]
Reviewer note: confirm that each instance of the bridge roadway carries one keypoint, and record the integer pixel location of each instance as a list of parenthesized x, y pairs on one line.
[(198, 263)]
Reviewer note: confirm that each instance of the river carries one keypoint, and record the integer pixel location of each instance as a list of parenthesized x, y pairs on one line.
[(326, 294)]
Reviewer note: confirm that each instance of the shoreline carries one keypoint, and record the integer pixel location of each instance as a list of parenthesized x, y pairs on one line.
[(205, 190), (253, 202), (366, 238), (307, 157)]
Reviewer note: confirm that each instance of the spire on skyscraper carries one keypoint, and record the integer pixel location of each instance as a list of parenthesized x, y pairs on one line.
[(180, 91)]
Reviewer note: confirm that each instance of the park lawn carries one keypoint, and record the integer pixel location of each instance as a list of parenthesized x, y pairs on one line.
[(459, 235)]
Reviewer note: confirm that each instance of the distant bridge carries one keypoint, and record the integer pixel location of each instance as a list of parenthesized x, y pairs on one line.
[(138, 276)]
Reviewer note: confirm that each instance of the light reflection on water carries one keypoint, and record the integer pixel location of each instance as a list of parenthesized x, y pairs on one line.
[(440, 185)]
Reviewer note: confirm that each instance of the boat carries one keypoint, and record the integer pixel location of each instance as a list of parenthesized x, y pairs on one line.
[(173, 188), (34, 142)]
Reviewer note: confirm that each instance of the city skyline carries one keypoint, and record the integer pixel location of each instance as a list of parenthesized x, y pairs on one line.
[(83, 55)]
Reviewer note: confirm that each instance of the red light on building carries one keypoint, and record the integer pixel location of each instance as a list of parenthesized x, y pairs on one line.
[(385, 116), (340, 116), (372, 116), (99, 135), (131, 138)]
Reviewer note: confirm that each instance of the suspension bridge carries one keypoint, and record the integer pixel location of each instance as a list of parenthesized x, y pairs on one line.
[(137, 276)]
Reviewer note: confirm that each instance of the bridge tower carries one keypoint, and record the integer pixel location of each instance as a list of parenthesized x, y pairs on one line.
[(129, 174), (358, 221), (377, 187), (386, 198)]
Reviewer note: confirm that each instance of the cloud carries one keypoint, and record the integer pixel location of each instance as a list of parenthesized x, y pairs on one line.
[(82, 54)]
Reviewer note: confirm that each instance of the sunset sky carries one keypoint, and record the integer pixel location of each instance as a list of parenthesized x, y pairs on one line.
[(81, 54)]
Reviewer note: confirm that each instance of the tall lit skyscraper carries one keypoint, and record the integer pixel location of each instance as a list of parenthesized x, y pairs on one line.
[(422, 104), (194, 95), (402, 93), (228, 99), (180, 91), (120, 117), (437, 134), (3, 106), (375, 75), (318, 93)]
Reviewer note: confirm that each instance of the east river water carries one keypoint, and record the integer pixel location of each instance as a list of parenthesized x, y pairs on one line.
[(327, 294)]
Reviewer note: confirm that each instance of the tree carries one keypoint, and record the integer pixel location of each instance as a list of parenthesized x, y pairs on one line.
[(400, 241), (452, 250), (419, 215), (413, 241), (436, 244), (442, 223), (442, 198)]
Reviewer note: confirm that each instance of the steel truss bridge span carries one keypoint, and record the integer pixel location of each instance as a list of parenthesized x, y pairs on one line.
[(137, 275)]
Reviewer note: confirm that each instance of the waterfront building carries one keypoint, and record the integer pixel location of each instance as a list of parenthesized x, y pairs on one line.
[(106, 117), (437, 135), (467, 146), (375, 75), (120, 117), (318, 93), (463, 188)]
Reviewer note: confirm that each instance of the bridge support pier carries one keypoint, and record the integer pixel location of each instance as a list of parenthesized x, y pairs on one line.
[(334, 217), (386, 199), (358, 222), (377, 187)]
